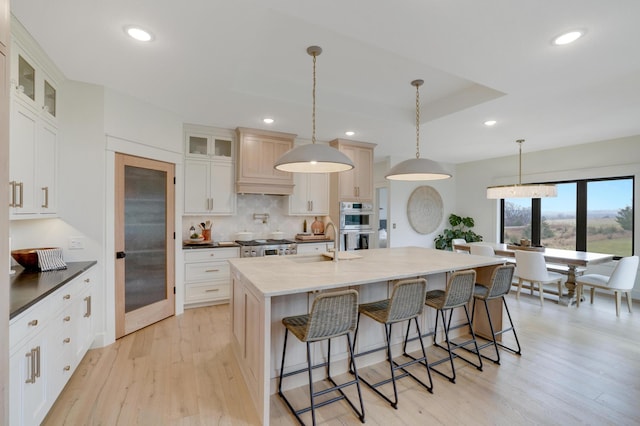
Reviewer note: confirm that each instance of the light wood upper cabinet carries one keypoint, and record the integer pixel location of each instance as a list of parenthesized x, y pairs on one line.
[(357, 183), (258, 151)]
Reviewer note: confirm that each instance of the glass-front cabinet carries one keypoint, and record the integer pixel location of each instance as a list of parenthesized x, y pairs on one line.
[(207, 146), (33, 86)]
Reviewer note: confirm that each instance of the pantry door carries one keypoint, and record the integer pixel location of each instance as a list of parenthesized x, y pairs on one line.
[(144, 242)]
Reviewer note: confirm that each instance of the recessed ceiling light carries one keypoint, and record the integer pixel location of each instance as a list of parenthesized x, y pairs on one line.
[(567, 38), (349, 133), (268, 120), (138, 33), (490, 123)]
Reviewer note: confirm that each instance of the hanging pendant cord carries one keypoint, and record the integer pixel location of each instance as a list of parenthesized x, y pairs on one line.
[(519, 141), (313, 96), (417, 121)]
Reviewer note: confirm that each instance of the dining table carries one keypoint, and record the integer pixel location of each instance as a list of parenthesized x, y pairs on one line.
[(573, 259)]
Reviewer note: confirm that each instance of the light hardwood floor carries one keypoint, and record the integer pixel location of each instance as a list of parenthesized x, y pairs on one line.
[(579, 366)]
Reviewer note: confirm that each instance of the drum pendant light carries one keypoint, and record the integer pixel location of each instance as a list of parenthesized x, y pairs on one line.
[(417, 169), (314, 158), (520, 190)]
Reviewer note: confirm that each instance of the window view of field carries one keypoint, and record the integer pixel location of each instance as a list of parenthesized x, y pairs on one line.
[(609, 230)]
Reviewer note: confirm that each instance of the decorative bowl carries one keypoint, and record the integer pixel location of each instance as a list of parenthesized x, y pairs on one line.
[(28, 258)]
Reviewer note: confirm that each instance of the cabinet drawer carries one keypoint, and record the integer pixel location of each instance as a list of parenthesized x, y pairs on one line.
[(206, 271), (29, 323), (203, 293), (203, 255)]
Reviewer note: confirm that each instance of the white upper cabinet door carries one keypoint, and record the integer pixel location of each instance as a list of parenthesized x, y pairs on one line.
[(197, 186)]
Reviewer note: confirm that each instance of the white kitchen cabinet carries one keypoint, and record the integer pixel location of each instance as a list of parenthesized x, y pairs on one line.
[(47, 342), (33, 141), (209, 174), (314, 248), (310, 195), (207, 276)]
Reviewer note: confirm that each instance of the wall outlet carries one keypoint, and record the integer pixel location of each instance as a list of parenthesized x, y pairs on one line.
[(76, 243)]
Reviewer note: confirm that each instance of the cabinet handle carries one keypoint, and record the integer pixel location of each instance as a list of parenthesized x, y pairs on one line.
[(88, 311), (31, 378), (13, 193), (212, 270), (46, 197), (37, 373), (212, 290), (66, 319), (66, 297), (87, 280), (211, 254), (21, 186), (66, 340), (33, 323), (66, 368), (311, 205)]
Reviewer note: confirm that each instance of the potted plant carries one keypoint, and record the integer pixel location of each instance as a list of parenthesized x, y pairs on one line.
[(460, 228)]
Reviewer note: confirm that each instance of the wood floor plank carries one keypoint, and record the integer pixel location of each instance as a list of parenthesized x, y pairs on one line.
[(578, 366)]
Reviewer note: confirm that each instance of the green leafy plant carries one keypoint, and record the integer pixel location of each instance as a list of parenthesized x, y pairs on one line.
[(460, 228)]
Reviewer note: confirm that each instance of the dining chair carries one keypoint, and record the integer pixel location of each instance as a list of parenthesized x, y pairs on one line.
[(531, 267), (482, 250), (622, 280), (458, 241)]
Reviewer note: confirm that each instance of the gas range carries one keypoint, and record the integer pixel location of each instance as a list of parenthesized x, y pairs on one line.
[(259, 248)]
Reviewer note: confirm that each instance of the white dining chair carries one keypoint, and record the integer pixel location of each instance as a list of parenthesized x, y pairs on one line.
[(482, 250), (622, 280), (458, 241), (531, 267)]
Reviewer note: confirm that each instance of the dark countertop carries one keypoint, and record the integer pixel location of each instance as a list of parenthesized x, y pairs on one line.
[(187, 246), (29, 287)]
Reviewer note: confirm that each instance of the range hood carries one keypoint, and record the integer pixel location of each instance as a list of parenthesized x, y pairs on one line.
[(257, 152)]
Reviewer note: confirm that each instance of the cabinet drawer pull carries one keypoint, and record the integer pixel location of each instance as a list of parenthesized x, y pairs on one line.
[(37, 372), (66, 340), (66, 319), (32, 365), (87, 313), (66, 297), (87, 280), (66, 368), (212, 270), (13, 193), (212, 290), (46, 197), (212, 254), (33, 323)]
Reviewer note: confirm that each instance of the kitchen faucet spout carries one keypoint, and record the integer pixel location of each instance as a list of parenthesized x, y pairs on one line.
[(335, 239)]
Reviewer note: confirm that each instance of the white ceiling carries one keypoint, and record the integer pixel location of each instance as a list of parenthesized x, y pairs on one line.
[(232, 63)]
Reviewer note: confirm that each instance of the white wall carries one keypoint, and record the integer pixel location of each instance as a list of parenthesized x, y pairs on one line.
[(401, 233)]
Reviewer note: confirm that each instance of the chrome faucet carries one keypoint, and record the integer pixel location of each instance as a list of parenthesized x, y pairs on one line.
[(335, 240)]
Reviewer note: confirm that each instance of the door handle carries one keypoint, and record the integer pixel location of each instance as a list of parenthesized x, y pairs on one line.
[(120, 255)]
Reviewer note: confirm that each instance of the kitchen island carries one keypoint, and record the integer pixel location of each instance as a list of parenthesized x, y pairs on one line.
[(267, 289)]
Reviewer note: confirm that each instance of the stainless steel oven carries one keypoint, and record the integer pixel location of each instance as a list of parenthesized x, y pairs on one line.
[(356, 216)]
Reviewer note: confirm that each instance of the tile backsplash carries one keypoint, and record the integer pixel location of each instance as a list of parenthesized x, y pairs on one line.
[(277, 206)]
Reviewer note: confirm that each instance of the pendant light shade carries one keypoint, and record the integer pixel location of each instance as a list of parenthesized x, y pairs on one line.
[(520, 190), (313, 158), (417, 169)]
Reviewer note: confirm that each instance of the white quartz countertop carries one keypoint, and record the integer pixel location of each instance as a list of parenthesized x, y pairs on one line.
[(281, 275)]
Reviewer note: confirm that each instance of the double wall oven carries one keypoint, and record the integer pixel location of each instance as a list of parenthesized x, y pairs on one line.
[(356, 225)]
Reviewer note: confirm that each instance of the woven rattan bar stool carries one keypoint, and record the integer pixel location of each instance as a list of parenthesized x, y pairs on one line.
[(405, 304), (457, 294), (332, 315), (498, 287)]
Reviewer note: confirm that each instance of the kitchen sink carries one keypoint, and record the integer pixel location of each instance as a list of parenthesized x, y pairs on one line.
[(310, 259)]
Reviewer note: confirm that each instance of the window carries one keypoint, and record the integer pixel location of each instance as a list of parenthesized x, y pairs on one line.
[(593, 215)]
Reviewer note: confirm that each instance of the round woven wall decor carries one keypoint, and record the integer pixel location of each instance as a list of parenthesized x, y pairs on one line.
[(424, 209)]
